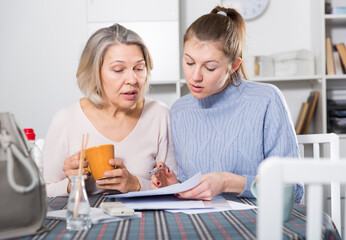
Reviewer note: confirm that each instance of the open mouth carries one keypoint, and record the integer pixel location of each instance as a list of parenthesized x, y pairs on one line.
[(196, 88), (129, 93)]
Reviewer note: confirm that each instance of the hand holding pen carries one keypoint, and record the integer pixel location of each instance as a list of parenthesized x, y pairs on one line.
[(162, 176), (158, 170)]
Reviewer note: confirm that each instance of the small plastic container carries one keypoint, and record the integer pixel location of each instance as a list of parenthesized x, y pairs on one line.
[(294, 63), (34, 148)]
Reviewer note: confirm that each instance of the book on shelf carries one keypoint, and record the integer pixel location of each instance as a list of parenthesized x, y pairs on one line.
[(301, 117), (337, 61), (330, 65), (312, 101), (342, 53)]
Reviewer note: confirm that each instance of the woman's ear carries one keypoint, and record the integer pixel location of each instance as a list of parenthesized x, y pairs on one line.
[(235, 65)]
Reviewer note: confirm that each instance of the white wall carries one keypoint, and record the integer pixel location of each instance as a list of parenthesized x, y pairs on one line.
[(284, 26), (41, 41)]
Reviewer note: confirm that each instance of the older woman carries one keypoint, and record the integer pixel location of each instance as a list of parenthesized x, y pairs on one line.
[(113, 75)]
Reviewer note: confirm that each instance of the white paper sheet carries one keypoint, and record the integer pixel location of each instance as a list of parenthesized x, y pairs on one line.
[(232, 205), (240, 206), (97, 216), (197, 211), (172, 189), (161, 202)]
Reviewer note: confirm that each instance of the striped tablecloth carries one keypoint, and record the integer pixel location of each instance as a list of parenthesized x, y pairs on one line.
[(240, 224)]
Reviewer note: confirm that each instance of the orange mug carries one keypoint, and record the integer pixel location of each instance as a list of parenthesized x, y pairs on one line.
[(98, 159)]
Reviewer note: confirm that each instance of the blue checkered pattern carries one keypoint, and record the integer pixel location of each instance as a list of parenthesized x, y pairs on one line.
[(240, 224)]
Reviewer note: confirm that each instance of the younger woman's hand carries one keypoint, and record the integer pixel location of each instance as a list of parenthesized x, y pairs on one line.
[(215, 183), (163, 178), (119, 179)]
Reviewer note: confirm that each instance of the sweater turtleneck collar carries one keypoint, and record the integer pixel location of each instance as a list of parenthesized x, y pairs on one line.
[(230, 93)]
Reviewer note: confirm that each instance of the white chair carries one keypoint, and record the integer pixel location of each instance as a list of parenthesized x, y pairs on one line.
[(331, 144), (274, 172), (317, 140)]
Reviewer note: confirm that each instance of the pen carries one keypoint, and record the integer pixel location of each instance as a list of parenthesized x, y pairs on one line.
[(158, 170)]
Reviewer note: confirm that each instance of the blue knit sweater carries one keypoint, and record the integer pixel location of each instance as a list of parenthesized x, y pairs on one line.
[(233, 131)]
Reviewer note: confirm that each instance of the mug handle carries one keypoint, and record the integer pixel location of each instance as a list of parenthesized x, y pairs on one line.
[(254, 189)]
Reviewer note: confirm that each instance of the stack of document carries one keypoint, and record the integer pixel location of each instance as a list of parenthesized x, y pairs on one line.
[(163, 199)]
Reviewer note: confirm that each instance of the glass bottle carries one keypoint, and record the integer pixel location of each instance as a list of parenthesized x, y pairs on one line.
[(78, 212)]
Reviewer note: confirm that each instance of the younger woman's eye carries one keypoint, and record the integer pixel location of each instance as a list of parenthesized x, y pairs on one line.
[(118, 70), (210, 69)]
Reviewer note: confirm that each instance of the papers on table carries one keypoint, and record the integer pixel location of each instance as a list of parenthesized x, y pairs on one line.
[(163, 199), (161, 202), (96, 214), (172, 189), (188, 206), (240, 206), (217, 204)]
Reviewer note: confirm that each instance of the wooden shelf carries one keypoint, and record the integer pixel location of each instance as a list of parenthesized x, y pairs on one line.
[(335, 16), (163, 82), (281, 79), (342, 135), (336, 76)]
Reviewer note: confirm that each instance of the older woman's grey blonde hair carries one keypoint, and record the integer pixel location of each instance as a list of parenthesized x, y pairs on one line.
[(89, 69)]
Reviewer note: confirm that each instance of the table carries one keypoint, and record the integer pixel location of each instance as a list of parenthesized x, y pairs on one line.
[(240, 224)]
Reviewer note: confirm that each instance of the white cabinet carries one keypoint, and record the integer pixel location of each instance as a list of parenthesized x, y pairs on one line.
[(326, 25), (335, 27)]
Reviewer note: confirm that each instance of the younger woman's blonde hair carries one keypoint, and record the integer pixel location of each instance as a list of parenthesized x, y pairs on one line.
[(90, 64)]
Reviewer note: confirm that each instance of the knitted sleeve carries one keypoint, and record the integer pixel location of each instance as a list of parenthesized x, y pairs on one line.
[(279, 135)]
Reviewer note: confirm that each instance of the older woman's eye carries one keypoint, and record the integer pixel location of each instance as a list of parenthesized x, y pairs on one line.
[(118, 70), (189, 63)]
